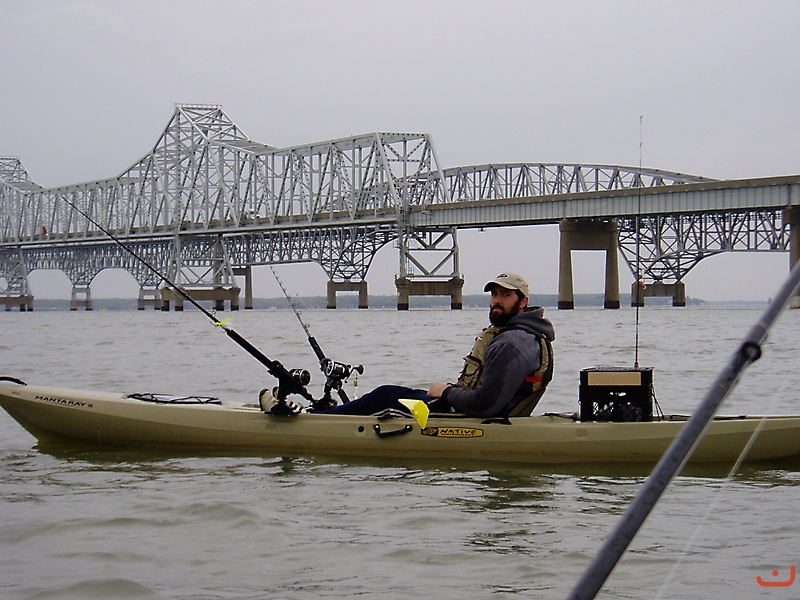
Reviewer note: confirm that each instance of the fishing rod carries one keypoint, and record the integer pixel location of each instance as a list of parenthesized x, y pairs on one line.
[(290, 381), (682, 446), (336, 373)]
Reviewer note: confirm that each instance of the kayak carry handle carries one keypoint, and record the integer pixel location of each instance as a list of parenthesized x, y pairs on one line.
[(384, 434)]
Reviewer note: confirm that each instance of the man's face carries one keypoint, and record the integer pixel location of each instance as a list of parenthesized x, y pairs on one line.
[(504, 305)]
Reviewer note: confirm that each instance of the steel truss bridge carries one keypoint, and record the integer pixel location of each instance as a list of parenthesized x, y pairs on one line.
[(207, 203)]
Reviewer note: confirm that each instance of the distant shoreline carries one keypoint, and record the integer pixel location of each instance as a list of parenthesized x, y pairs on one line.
[(348, 301)]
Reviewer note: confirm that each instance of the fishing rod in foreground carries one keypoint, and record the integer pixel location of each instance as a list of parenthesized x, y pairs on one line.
[(290, 381), (682, 446)]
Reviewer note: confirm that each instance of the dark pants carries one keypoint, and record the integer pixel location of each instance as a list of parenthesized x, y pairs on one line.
[(381, 398)]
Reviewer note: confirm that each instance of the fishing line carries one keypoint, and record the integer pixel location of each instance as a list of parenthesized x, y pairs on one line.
[(711, 507), (296, 312), (289, 382), (727, 481), (682, 446)]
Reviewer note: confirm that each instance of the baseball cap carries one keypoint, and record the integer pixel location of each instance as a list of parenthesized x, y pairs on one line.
[(510, 281)]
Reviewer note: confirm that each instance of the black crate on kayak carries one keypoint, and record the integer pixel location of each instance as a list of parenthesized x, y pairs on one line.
[(616, 394)]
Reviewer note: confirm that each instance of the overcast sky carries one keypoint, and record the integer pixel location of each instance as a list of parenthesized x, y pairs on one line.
[(88, 86)]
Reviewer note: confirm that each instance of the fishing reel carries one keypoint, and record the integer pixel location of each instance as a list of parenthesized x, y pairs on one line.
[(300, 377), (290, 381), (339, 371), (335, 373)]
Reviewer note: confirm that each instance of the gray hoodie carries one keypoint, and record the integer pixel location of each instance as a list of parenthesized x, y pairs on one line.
[(510, 357)]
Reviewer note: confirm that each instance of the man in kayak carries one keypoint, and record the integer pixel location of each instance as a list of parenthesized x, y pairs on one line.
[(504, 375)]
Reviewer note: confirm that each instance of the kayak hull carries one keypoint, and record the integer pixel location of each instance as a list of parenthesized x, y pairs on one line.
[(54, 414)]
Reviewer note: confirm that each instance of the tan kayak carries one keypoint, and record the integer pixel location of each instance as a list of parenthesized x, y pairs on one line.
[(109, 419)]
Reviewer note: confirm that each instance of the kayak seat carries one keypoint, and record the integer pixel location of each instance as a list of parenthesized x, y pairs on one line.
[(525, 408)]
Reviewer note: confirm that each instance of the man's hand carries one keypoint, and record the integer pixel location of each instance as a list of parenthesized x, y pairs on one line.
[(437, 389)]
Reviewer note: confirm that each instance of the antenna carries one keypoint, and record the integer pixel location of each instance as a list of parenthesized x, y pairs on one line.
[(639, 283)]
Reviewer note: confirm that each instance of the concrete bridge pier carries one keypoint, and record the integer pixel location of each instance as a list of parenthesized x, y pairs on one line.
[(218, 296), (588, 234), (24, 302), (149, 296), (247, 273), (81, 297), (658, 289), (348, 286), (791, 216), (408, 287)]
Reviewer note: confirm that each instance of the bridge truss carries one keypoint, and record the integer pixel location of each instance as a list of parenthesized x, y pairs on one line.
[(521, 180), (207, 200), (221, 199), (665, 248)]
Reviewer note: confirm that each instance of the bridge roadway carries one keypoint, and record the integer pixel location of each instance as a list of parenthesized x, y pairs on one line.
[(208, 203), (733, 195), (662, 231)]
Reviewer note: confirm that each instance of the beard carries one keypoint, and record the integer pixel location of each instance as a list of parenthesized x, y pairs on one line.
[(499, 317)]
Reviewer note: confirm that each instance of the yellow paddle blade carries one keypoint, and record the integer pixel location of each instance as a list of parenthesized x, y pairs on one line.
[(419, 409)]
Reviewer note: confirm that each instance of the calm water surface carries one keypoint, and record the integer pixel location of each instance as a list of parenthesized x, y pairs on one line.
[(82, 523)]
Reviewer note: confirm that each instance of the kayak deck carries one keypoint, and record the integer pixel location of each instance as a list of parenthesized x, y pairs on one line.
[(109, 419)]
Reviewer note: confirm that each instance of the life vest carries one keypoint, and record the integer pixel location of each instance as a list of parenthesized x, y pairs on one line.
[(535, 383), (475, 360)]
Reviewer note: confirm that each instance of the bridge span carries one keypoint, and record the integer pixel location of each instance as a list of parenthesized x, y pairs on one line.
[(208, 203)]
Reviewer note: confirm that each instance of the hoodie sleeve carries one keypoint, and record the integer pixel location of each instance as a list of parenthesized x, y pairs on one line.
[(509, 359)]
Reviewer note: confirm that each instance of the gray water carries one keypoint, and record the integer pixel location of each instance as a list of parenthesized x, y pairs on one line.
[(84, 523)]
